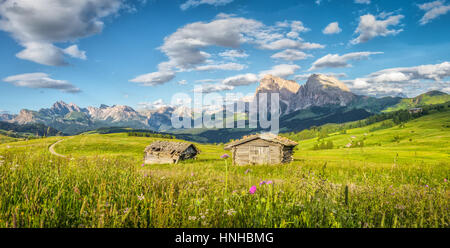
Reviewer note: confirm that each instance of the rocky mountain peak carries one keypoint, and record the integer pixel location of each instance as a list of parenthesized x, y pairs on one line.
[(270, 83), (321, 90), (62, 108), (323, 82)]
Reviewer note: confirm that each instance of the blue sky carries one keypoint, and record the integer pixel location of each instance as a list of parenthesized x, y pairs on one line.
[(139, 53)]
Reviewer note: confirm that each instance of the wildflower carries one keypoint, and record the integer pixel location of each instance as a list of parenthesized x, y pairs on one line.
[(125, 211), (426, 186), (445, 180), (141, 197), (269, 182), (76, 190), (252, 190), (262, 183), (247, 171), (192, 218), (142, 165), (192, 174), (225, 156)]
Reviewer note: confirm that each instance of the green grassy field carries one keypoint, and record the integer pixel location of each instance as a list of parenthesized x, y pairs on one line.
[(398, 179)]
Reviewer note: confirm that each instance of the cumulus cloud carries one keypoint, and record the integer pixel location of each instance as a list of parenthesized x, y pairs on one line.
[(243, 79), (225, 67), (290, 44), (369, 27), (283, 70), (433, 10), (332, 28), (187, 48), (194, 3), (339, 61), (38, 26), (233, 54), (297, 27), (41, 81), (209, 88), (73, 51), (362, 1), (303, 77), (291, 55), (408, 80), (163, 75)]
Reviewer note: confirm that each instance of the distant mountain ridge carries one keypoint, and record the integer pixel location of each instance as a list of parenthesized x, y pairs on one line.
[(322, 99)]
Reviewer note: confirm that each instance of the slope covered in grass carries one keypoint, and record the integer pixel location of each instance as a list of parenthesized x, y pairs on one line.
[(432, 97), (426, 139), (102, 183)]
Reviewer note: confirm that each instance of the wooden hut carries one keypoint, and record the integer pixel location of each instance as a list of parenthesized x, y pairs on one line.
[(262, 149), (169, 152)]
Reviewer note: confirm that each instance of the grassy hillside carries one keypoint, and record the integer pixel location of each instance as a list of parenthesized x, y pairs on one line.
[(102, 183), (432, 97), (6, 139), (425, 139)]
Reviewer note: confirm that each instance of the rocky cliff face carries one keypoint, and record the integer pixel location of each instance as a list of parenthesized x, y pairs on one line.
[(25, 116), (319, 90), (286, 89)]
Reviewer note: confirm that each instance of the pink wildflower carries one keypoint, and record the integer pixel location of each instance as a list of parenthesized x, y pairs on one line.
[(269, 182), (252, 190), (225, 156)]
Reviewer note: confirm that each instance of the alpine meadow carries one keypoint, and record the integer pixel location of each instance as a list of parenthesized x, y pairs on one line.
[(190, 114)]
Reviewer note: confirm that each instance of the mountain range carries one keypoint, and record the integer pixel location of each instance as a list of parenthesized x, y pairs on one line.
[(322, 99)]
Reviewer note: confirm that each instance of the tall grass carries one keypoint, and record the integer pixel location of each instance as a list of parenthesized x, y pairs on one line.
[(40, 190)]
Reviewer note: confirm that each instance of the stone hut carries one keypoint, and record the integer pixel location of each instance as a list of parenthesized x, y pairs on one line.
[(262, 149), (169, 152)]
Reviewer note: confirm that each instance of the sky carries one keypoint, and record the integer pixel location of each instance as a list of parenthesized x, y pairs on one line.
[(141, 52)]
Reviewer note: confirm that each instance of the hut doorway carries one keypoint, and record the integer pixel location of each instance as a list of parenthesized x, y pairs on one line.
[(260, 155)]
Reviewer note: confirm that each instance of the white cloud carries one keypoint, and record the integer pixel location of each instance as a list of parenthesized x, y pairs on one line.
[(41, 81), (369, 27), (182, 82), (290, 44), (194, 3), (339, 61), (186, 47), (243, 79), (283, 70), (303, 77), (332, 28), (362, 1), (232, 54), (209, 88), (408, 80), (163, 75), (291, 55), (433, 10), (75, 52), (38, 25), (225, 66)]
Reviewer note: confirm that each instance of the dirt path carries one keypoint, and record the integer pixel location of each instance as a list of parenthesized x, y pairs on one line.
[(51, 149)]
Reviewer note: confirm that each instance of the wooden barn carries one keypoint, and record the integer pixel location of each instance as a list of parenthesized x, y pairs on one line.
[(169, 152), (262, 149)]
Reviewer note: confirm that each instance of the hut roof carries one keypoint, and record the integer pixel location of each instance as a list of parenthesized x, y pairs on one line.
[(169, 147), (265, 136)]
